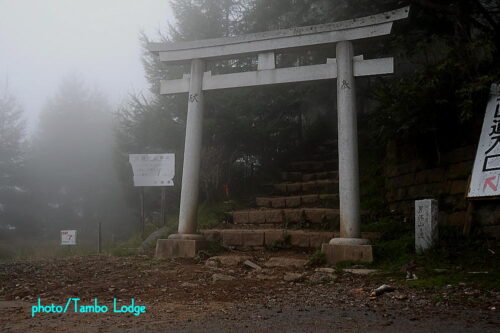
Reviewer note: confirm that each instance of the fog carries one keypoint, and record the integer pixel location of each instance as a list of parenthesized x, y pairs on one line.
[(66, 66), (41, 41)]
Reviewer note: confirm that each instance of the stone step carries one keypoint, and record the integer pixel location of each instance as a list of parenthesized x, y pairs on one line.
[(310, 200), (305, 177), (314, 166), (310, 187), (282, 216), (258, 238)]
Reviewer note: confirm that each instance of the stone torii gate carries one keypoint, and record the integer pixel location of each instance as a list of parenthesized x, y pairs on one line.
[(344, 68)]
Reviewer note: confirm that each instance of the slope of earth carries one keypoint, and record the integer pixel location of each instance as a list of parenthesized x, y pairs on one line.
[(223, 294)]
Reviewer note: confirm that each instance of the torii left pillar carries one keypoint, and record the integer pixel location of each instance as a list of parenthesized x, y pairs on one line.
[(186, 242)]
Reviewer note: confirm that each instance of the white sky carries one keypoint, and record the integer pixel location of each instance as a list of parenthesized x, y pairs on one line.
[(42, 41)]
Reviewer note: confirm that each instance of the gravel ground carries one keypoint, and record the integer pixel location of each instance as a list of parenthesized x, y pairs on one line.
[(224, 295)]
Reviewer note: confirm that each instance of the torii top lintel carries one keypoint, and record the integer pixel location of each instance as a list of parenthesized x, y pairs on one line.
[(359, 28)]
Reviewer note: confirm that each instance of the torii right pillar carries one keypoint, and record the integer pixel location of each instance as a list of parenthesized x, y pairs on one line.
[(350, 245)]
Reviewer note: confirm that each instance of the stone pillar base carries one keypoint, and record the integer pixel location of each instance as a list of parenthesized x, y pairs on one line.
[(341, 252), (349, 241), (187, 236), (179, 248)]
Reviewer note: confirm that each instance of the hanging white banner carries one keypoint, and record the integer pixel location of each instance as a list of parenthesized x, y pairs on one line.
[(486, 173), (153, 169)]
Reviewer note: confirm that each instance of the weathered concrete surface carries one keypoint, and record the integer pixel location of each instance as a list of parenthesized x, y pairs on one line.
[(273, 236), (271, 36), (338, 253), (277, 216), (348, 143), (426, 224), (249, 238), (300, 239), (179, 248), (192, 151)]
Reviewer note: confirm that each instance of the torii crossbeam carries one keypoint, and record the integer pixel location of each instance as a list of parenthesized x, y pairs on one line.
[(264, 45)]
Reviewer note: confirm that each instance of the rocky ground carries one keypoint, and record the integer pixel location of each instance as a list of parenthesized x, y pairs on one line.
[(243, 292)]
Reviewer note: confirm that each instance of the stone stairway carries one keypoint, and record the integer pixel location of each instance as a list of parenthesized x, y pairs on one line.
[(306, 196), (297, 210)]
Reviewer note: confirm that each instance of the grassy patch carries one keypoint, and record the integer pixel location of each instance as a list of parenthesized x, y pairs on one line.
[(212, 215), (449, 262), (32, 249), (172, 221), (317, 259), (213, 249), (429, 280), (127, 248)]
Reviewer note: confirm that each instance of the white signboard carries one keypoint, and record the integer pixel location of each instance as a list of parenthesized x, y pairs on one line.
[(486, 173), (68, 237), (153, 169)]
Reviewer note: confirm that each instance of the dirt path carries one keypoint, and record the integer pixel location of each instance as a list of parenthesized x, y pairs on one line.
[(190, 296)]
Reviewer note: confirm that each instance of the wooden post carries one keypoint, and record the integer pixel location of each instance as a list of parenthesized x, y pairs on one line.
[(142, 211), (163, 206), (99, 238), (470, 218)]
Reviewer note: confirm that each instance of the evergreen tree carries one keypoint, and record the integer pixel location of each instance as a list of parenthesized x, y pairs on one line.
[(12, 188), (72, 164)]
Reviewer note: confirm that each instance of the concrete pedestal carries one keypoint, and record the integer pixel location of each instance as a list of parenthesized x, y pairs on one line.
[(179, 248), (343, 249)]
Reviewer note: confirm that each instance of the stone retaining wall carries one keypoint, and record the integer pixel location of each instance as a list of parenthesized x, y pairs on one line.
[(446, 180)]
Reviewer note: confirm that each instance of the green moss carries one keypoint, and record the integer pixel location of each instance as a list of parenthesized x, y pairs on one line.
[(317, 259), (283, 243), (212, 215)]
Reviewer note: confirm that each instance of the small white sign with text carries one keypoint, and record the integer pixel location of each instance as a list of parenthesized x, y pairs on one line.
[(153, 169), (68, 237)]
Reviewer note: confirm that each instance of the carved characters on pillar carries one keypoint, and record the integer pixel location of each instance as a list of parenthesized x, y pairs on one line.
[(345, 85), (193, 98)]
